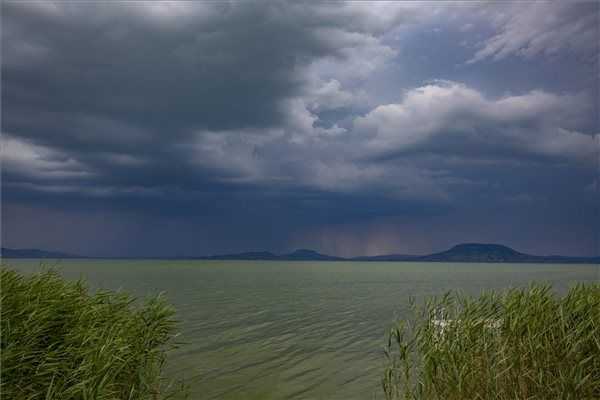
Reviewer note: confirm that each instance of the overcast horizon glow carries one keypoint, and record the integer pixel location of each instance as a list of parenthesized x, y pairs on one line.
[(196, 128)]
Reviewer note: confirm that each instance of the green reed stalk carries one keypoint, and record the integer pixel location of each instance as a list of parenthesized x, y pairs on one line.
[(520, 344), (58, 341)]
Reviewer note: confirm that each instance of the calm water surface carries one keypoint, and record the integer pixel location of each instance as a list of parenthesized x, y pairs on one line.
[(295, 330)]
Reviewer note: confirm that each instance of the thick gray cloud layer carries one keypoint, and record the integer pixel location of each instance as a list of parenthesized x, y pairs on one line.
[(238, 125)]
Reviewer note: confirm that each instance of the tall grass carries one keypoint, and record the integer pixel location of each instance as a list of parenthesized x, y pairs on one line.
[(59, 341), (520, 344)]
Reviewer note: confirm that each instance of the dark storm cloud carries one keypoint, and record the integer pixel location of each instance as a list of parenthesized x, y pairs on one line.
[(159, 69), (120, 89), (239, 125), (91, 66)]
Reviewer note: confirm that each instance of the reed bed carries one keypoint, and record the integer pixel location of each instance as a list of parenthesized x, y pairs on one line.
[(519, 344), (59, 341)]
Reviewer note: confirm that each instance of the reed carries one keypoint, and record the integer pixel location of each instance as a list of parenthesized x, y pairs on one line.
[(519, 344), (59, 341)]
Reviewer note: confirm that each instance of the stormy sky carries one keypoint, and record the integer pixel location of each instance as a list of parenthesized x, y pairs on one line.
[(193, 128)]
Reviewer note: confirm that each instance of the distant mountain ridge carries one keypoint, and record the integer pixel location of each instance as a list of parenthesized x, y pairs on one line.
[(465, 252), (35, 253), (478, 252), (484, 253), (297, 255)]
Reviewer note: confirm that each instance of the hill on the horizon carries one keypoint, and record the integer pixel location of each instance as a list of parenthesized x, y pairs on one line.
[(484, 253), (297, 255), (478, 252), (35, 253)]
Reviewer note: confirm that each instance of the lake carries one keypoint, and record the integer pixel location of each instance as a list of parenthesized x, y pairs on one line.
[(295, 330)]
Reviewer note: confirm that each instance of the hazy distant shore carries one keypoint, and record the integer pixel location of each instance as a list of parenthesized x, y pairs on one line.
[(467, 252)]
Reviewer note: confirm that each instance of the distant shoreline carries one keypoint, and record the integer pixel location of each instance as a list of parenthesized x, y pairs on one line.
[(462, 253)]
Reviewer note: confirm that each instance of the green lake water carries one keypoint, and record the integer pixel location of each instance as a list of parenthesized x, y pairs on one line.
[(295, 330)]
